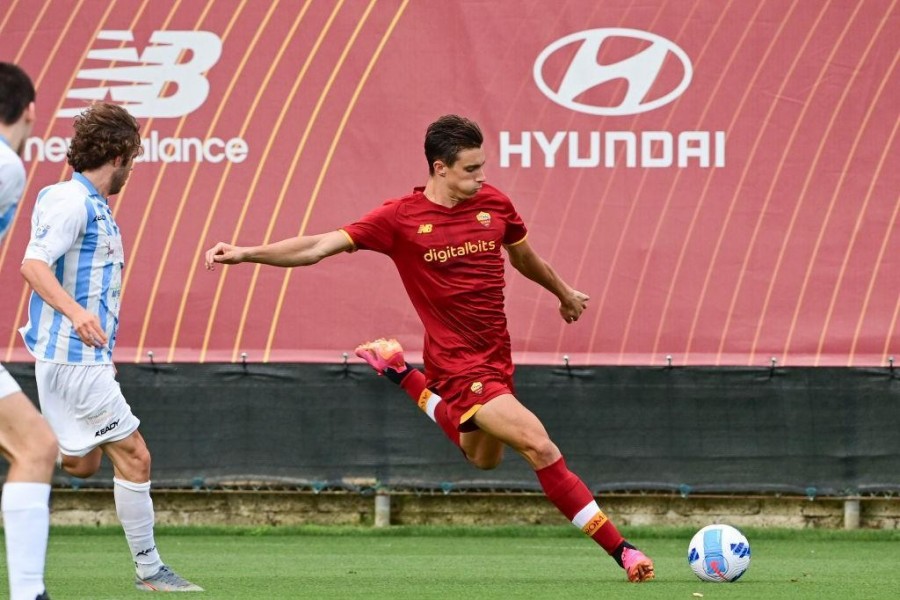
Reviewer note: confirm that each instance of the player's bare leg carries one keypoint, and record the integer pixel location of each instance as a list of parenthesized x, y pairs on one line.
[(134, 507), (481, 449), (508, 421), (385, 356), (29, 445), (82, 466)]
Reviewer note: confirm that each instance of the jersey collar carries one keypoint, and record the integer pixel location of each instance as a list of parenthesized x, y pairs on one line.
[(87, 184)]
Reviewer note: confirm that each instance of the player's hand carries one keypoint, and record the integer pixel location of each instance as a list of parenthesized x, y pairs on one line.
[(225, 254), (572, 305), (87, 326)]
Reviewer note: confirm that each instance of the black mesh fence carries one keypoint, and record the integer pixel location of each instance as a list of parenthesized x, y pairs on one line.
[(814, 431)]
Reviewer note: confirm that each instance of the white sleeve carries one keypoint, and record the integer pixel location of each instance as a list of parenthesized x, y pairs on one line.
[(55, 227), (12, 183)]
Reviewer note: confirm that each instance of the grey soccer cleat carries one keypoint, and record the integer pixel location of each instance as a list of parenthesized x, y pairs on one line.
[(166, 580)]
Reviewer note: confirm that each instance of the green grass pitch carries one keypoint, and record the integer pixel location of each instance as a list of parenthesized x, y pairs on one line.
[(456, 562)]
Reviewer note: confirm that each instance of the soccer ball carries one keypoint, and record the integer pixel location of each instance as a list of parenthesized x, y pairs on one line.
[(719, 553)]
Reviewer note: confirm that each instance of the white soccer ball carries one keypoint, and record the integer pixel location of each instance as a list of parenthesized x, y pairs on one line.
[(719, 553)]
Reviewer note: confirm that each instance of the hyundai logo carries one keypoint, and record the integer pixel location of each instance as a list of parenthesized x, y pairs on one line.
[(640, 71)]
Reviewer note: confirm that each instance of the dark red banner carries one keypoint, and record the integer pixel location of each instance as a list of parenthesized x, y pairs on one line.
[(721, 177)]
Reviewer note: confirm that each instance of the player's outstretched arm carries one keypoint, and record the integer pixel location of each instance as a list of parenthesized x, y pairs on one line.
[(527, 262), (297, 251)]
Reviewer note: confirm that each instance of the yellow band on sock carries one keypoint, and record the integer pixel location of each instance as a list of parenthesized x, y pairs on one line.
[(596, 522), (423, 399)]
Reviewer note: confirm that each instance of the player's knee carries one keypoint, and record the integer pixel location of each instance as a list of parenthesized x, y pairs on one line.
[(139, 463), (485, 454), (486, 462), (541, 452), (40, 448), (81, 471), (44, 447), (82, 466)]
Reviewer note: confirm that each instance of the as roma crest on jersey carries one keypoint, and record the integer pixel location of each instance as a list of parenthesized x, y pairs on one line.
[(477, 387), (484, 218)]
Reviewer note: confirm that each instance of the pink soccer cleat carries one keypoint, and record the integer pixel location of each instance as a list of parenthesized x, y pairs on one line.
[(382, 354), (637, 565)]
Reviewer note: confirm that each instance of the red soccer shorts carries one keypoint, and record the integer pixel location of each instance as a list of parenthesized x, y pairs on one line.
[(465, 395)]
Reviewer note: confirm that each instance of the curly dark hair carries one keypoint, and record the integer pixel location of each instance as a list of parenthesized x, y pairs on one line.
[(103, 132), (16, 92), (447, 136)]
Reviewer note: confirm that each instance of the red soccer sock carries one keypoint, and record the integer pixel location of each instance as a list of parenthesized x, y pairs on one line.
[(443, 419), (413, 383), (573, 498)]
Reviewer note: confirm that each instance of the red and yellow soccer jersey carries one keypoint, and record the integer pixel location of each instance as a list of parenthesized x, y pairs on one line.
[(451, 264)]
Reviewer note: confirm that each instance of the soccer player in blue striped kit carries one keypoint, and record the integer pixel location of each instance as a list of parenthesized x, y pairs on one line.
[(25, 438), (74, 264)]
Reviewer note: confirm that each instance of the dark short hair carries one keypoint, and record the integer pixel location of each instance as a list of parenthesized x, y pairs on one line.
[(449, 135), (16, 92), (103, 132)]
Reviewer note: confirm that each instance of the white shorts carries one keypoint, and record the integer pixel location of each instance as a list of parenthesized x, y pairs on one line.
[(8, 385), (84, 405)]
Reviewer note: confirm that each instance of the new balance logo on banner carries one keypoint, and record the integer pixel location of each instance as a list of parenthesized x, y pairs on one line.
[(154, 83), (166, 80)]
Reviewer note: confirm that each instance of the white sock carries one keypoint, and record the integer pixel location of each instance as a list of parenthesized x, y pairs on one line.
[(26, 520), (428, 402), (135, 509)]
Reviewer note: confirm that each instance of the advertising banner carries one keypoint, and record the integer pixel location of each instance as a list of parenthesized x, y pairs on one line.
[(720, 177)]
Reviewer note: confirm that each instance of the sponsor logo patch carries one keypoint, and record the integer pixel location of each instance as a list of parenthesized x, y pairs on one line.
[(595, 523), (107, 429), (442, 255)]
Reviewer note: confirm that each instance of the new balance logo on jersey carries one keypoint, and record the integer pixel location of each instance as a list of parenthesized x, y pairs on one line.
[(425, 228), (154, 83)]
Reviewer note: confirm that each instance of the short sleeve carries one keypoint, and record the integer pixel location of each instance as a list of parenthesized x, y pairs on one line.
[(55, 227), (12, 183), (515, 227), (375, 230)]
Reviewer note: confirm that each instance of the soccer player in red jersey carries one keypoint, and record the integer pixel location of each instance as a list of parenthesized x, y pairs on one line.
[(445, 239)]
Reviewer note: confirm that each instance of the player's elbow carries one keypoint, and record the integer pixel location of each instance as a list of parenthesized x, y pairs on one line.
[(309, 258), (28, 269), (322, 249), (517, 263)]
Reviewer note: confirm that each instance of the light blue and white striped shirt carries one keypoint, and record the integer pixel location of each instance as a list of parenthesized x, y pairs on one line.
[(73, 231), (12, 184)]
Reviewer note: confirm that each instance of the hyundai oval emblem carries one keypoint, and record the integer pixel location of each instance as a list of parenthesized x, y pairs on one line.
[(640, 71)]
